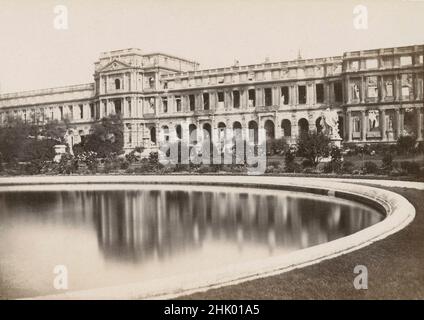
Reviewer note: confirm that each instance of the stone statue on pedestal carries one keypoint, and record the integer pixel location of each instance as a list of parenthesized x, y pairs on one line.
[(331, 121)]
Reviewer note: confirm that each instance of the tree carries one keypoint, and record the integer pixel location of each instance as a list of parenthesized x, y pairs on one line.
[(313, 147), (406, 144), (13, 136), (21, 141), (55, 130), (107, 137), (277, 146)]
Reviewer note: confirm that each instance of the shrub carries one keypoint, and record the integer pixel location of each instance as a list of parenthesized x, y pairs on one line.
[(276, 146), (387, 161), (370, 167), (33, 167), (293, 167), (307, 163), (204, 169), (67, 165), (332, 167), (273, 163), (289, 161), (89, 160), (309, 170), (420, 147), (405, 144), (313, 147), (410, 167), (125, 165), (347, 167)]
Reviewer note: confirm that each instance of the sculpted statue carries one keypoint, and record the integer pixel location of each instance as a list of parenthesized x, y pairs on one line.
[(331, 119), (356, 91), (71, 139)]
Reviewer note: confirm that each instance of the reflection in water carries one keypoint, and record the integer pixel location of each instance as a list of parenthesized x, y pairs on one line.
[(158, 231)]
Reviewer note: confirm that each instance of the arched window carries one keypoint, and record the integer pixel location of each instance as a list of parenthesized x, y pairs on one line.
[(253, 131), (269, 129), (117, 84), (303, 125), (153, 134), (165, 133), (286, 127), (178, 130)]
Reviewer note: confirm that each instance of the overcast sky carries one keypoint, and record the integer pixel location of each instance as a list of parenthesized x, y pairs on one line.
[(33, 54)]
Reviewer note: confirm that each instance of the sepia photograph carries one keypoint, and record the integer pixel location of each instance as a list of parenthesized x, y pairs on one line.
[(199, 151)]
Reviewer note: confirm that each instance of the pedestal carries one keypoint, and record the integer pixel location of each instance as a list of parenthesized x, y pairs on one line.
[(59, 150), (336, 142)]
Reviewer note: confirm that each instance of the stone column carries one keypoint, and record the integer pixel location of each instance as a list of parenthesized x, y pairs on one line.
[(397, 120), (276, 96), (364, 125), (294, 128), (383, 124), (309, 94), (135, 107), (416, 87), (398, 88), (381, 88), (420, 124), (291, 96), (124, 108), (102, 108), (347, 95), (348, 125), (330, 89), (326, 93), (363, 89), (402, 120)]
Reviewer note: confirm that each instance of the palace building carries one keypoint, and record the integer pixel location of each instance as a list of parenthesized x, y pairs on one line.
[(378, 95)]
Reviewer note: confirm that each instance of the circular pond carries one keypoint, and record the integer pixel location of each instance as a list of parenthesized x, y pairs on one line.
[(112, 235)]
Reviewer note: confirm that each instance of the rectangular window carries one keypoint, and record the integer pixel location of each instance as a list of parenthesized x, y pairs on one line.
[(268, 97), (165, 105), (285, 95), (178, 103), (236, 99), (220, 96), (252, 97), (192, 102), (405, 61), (371, 63), (302, 94), (338, 91), (406, 85), (372, 87), (387, 62), (319, 87), (81, 111), (92, 110), (356, 124), (206, 101)]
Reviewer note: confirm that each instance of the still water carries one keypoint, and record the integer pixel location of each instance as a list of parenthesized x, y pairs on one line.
[(118, 234)]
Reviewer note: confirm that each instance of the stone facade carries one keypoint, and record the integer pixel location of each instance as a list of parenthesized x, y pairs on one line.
[(378, 95)]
